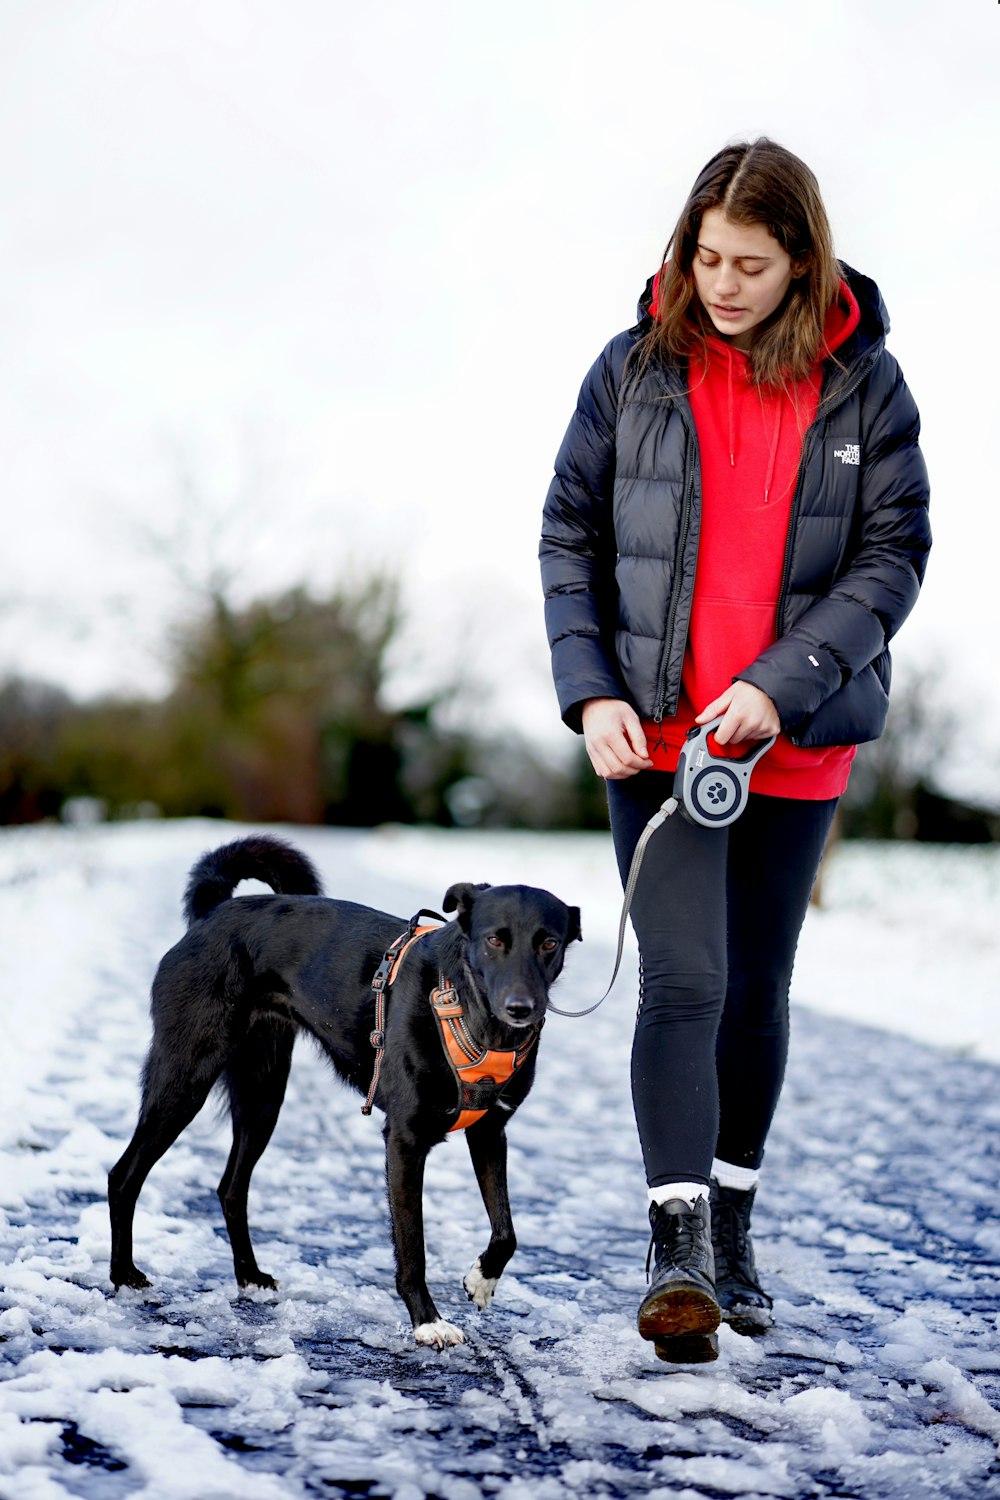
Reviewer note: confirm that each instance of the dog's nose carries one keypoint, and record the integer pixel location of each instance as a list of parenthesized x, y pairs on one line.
[(518, 1009)]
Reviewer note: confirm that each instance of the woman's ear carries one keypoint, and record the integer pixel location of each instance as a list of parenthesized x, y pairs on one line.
[(801, 265)]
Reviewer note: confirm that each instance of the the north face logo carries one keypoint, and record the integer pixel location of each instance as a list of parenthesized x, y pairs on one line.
[(850, 453)]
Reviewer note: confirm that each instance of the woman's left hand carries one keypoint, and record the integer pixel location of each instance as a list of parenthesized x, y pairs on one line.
[(747, 714)]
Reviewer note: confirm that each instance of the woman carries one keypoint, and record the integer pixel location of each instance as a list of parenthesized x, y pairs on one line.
[(736, 528)]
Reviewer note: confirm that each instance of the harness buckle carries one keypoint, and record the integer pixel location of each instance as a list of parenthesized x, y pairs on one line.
[(381, 976), (377, 1038), (446, 1003)]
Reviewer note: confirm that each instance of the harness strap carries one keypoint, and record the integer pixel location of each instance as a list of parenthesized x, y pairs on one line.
[(382, 982), (481, 1073)]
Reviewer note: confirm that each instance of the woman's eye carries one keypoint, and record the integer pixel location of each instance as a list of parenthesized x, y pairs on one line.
[(713, 265)]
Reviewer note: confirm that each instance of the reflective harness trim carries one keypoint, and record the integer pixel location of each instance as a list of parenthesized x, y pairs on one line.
[(481, 1073)]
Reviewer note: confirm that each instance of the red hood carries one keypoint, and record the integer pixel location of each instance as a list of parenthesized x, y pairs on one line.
[(841, 320)]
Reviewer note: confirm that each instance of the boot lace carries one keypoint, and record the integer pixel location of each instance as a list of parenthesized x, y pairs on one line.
[(678, 1235)]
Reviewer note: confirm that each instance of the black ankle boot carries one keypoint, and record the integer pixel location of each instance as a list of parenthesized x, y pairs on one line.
[(680, 1311), (744, 1302)]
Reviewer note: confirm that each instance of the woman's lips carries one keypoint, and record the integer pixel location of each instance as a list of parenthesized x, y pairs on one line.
[(727, 312)]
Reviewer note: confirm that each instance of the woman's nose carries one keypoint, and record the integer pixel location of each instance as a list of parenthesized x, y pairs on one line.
[(727, 283)]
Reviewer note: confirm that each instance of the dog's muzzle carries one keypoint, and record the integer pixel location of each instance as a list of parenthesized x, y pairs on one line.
[(520, 1010)]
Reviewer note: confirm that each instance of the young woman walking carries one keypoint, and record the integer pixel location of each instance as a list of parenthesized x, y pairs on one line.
[(736, 528)]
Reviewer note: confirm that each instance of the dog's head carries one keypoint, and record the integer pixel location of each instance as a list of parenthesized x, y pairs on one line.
[(516, 940)]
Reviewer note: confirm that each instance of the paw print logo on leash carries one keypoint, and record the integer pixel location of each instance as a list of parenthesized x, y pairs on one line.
[(716, 792)]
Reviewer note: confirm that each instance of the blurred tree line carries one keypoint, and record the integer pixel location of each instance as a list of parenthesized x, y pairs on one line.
[(277, 712), (895, 790)]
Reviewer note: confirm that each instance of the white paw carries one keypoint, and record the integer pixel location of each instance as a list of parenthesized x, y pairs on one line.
[(438, 1335), (479, 1287)]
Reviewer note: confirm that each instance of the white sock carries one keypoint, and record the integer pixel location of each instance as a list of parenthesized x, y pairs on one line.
[(729, 1176), (689, 1191)]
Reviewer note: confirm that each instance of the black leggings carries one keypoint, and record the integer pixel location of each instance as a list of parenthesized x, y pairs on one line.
[(717, 914)]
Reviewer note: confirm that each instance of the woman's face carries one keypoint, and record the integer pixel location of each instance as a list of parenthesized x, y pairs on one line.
[(741, 275)]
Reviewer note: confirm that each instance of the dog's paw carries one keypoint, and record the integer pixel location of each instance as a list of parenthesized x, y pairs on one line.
[(480, 1288), (132, 1278), (258, 1282), (439, 1335)]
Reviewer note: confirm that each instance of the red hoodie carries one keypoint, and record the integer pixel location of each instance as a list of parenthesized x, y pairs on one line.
[(750, 442)]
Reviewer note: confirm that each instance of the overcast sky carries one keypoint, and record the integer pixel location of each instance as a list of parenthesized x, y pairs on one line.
[(311, 287)]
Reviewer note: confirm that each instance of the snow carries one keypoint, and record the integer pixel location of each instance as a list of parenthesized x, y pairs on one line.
[(877, 1223)]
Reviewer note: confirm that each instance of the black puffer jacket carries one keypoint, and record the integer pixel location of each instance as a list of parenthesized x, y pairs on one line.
[(620, 541)]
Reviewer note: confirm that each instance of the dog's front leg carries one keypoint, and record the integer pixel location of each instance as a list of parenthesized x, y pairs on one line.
[(488, 1149), (404, 1162)]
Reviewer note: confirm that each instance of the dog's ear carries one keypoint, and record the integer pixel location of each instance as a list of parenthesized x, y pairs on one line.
[(462, 898), (573, 933)]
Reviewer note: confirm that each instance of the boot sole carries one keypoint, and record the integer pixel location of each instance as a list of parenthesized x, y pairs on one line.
[(677, 1311), (690, 1349)]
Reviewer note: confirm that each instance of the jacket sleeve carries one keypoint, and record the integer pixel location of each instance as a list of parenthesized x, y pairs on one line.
[(578, 550), (848, 628)]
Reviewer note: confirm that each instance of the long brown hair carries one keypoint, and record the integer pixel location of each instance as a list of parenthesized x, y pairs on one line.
[(752, 182)]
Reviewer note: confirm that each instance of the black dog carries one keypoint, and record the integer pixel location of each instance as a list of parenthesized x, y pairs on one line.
[(229, 998)]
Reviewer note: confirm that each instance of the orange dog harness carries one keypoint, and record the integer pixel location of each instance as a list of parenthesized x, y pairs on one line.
[(481, 1073)]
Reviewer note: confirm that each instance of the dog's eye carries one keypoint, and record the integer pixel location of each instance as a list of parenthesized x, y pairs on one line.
[(549, 946), (493, 941)]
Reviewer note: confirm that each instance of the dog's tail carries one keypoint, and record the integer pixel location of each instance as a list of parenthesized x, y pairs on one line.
[(259, 857)]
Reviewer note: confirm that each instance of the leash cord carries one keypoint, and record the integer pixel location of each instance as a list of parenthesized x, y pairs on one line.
[(659, 817)]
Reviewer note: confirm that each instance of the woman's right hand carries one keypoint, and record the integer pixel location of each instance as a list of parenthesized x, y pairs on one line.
[(613, 734)]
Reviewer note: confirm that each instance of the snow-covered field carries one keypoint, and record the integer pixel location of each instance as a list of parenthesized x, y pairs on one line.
[(878, 1226)]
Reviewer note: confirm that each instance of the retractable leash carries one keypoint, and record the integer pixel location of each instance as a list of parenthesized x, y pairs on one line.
[(710, 790)]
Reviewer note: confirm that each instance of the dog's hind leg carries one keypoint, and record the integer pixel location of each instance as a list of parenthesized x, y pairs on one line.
[(256, 1075), (161, 1120), (488, 1149)]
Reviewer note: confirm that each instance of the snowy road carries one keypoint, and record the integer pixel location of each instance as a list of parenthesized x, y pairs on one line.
[(878, 1233)]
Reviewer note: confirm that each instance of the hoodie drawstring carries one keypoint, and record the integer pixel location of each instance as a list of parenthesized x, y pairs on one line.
[(773, 454)]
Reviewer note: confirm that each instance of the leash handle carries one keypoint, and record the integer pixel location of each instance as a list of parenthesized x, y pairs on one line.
[(659, 817), (710, 790), (713, 789)]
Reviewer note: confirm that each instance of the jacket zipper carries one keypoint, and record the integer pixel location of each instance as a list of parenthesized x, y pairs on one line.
[(662, 706), (793, 514)]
